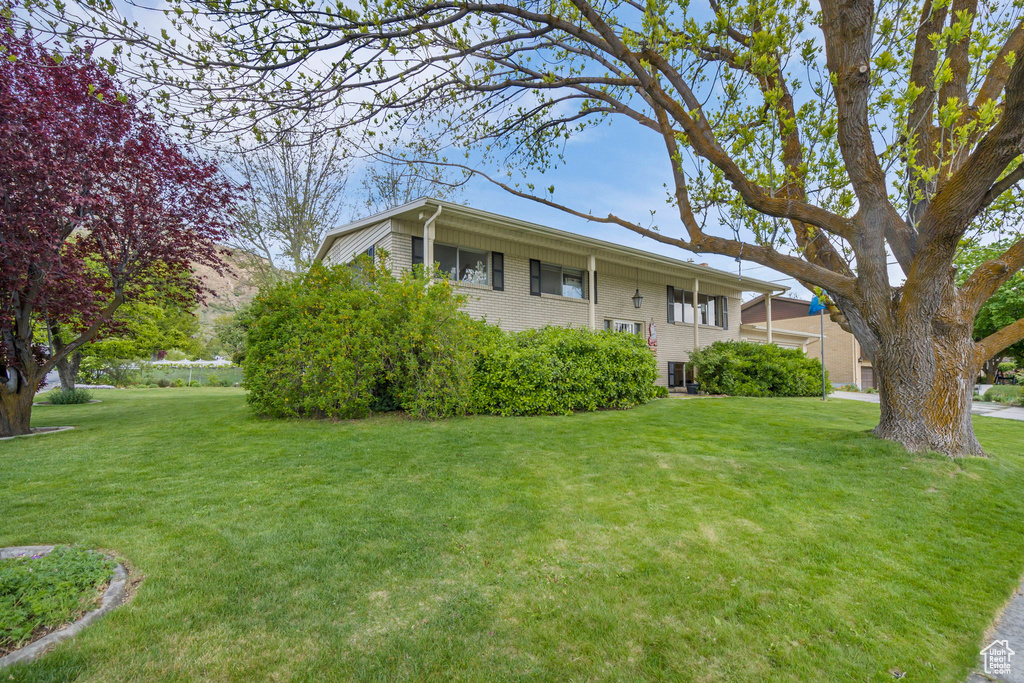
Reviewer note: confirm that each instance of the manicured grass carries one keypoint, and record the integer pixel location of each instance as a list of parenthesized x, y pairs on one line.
[(713, 539)]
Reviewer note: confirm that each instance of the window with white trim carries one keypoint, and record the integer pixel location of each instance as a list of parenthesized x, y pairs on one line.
[(683, 306), (709, 308), (463, 265), (561, 281), (624, 326)]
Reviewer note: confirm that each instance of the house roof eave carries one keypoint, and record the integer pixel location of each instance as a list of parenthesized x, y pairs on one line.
[(405, 210)]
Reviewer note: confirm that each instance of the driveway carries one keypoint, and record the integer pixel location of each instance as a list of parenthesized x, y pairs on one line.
[(978, 408)]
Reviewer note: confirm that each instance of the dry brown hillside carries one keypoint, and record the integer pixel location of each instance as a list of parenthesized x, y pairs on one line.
[(232, 289)]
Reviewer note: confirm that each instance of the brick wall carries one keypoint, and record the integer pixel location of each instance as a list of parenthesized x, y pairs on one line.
[(842, 352), (515, 309)]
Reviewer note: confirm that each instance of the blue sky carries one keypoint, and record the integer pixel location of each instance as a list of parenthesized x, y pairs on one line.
[(620, 169)]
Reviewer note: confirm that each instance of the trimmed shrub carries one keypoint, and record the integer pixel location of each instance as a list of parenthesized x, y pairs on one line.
[(558, 370), (740, 368), (163, 382), (348, 341), (214, 381), (67, 397), (178, 383)]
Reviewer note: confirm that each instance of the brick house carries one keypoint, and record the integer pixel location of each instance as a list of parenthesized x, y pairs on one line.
[(521, 275), (793, 327)]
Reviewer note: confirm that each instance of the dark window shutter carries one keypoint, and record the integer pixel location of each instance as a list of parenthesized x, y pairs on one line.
[(534, 277), (498, 271), (725, 312), (671, 304), (595, 287), (671, 374), (417, 250)]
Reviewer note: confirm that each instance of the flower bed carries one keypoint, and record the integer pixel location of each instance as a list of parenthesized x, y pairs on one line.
[(42, 592)]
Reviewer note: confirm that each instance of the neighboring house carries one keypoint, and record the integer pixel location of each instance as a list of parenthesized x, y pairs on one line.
[(794, 328), (520, 275)]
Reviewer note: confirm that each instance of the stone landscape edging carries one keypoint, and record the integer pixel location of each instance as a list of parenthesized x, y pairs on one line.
[(113, 597), (47, 403), (44, 431)]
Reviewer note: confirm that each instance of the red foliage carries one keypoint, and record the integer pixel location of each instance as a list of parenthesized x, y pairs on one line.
[(96, 202)]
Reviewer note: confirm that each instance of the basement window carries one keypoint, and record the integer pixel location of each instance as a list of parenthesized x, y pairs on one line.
[(624, 326)]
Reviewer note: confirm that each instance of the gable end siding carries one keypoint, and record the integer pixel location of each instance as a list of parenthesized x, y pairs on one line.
[(347, 247)]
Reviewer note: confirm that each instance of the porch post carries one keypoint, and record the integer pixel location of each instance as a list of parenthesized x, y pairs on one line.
[(591, 312), (696, 323), (696, 317), (768, 314)]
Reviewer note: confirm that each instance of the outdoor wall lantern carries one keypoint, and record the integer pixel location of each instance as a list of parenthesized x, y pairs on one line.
[(638, 300)]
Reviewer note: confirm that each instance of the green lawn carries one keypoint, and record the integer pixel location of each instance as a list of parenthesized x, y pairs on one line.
[(708, 540)]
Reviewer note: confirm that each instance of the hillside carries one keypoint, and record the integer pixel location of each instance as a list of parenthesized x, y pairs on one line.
[(232, 289)]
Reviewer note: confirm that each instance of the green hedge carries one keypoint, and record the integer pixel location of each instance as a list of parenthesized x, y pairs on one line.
[(349, 341), (745, 369), (558, 370)]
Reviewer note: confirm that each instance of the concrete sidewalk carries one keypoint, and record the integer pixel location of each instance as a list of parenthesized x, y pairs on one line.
[(978, 408), (1009, 627)]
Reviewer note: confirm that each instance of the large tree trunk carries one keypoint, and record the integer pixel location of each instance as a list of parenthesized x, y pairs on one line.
[(989, 368), (67, 369), (926, 384), (16, 409), (67, 365)]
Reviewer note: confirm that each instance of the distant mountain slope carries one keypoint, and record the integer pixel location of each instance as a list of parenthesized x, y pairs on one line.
[(232, 289)]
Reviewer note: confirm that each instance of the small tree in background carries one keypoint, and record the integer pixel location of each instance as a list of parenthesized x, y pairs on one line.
[(93, 195), (229, 333), (153, 321), (294, 192), (395, 181)]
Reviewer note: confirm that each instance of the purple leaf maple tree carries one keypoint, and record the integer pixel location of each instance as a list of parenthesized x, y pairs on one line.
[(98, 203)]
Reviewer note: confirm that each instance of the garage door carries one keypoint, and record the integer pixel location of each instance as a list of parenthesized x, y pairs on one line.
[(867, 377)]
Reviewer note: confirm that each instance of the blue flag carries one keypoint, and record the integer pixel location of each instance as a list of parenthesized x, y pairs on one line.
[(816, 306)]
